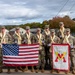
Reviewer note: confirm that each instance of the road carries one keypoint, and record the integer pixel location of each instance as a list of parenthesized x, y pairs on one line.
[(47, 72)]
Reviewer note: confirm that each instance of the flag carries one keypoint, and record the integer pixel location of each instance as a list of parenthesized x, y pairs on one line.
[(20, 55), (60, 54)]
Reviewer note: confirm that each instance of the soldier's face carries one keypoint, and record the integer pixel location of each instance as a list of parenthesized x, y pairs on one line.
[(3, 29), (47, 29), (18, 31), (52, 33), (67, 33), (61, 26), (38, 31), (28, 30)]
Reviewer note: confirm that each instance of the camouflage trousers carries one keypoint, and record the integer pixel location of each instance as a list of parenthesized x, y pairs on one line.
[(47, 54), (72, 57), (51, 59), (41, 62), (1, 61)]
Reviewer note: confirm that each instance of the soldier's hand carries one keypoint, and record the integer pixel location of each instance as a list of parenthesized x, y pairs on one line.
[(4, 43), (49, 45)]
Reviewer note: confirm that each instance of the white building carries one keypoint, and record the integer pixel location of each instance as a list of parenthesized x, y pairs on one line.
[(7, 31), (22, 31)]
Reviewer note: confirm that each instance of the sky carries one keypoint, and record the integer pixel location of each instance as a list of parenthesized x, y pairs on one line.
[(15, 12)]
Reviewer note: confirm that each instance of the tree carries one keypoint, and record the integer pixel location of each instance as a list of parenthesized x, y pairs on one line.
[(53, 23)]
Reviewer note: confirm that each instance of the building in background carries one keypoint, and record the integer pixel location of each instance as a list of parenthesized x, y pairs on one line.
[(22, 31)]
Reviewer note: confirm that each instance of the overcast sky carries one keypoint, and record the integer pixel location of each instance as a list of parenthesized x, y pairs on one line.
[(27, 11)]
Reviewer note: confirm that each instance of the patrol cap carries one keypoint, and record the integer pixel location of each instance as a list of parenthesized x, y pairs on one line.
[(46, 26), (3, 27), (61, 23), (27, 27), (52, 30), (67, 29), (38, 29), (17, 28)]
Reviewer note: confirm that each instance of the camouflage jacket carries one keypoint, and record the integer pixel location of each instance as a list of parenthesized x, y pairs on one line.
[(58, 33), (7, 38), (56, 40), (36, 39), (25, 38), (15, 39), (45, 37)]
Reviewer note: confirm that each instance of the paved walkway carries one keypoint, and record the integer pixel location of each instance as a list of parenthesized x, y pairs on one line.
[(47, 72)]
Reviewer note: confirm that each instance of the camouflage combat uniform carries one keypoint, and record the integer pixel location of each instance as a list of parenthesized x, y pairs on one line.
[(52, 40), (40, 39), (28, 38), (4, 39), (17, 39), (46, 36), (69, 39), (61, 32), (25, 39)]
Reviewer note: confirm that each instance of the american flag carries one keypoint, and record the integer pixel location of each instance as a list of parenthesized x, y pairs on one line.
[(20, 55)]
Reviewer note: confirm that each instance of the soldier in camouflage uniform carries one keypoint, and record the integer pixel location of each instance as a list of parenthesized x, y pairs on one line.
[(5, 38), (40, 39), (17, 39), (69, 39), (53, 39), (61, 31), (28, 38), (46, 34)]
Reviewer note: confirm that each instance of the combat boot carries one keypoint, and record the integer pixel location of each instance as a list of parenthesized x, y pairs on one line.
[(58, 71), (21, 69), (1, 70), (51, 71), (73, 72), (32, 70), (8, 71), (26, 69), (66, 72), (42, 70), (37, 71), (16, 69)]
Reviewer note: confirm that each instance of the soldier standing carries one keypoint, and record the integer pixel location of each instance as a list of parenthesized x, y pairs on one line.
[(53, 39), (28, 38), (5, 38), (46, 34), (69, 39), (61, 31), (17, 38), (40, 40)]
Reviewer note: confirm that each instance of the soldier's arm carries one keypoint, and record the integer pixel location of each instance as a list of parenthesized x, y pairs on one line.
[(74, 41), (43, 39), (57, 33), (23, 39), (14, 39), (48, 41), (58, 39), (32, 38), (9, 38), (43, 33), (0, 40)]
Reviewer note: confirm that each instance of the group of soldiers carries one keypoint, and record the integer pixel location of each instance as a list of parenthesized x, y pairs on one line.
[(44, 39)]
